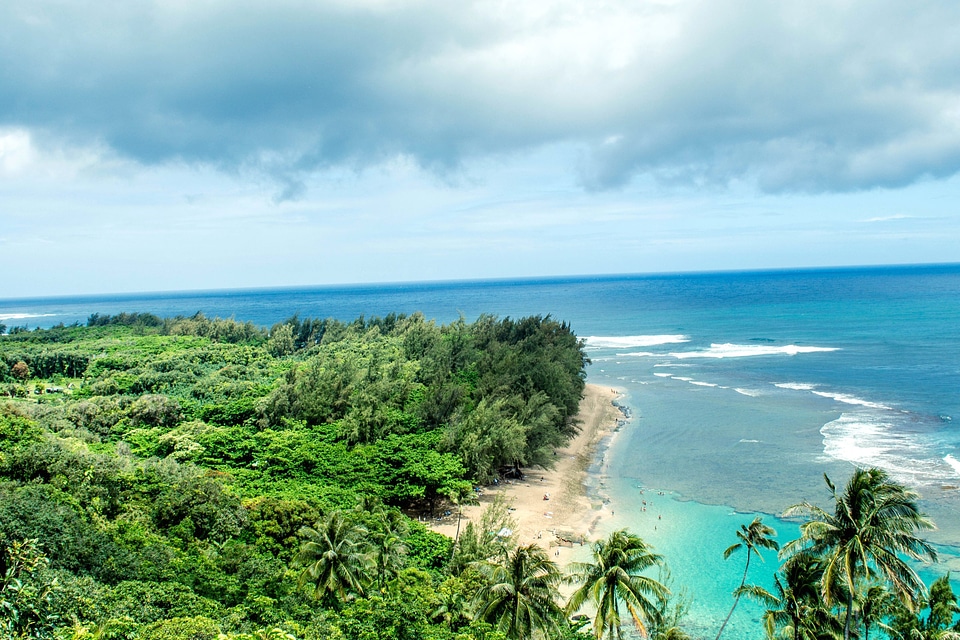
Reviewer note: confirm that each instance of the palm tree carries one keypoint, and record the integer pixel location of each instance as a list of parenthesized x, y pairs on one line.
[(614, 577), (873, 605), (452, 608), (874, 521), (520, 595), (943, 610), (334, 558), (387, 548), (753, 537), (795, 607), (939, 622), (388, 553)]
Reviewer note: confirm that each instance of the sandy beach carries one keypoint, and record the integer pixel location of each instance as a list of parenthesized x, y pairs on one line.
[(569, 515)]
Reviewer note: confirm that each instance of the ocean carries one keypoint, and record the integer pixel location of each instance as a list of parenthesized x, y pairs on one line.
[(744, 388)]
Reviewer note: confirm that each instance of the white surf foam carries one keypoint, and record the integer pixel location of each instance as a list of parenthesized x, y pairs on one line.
[(626, 342), (684, 379), (953, 462), (869, 438), (637, 354), (25, 316), (848, 399), (728, 350), (753, 393), (844, 398), (796, 386)]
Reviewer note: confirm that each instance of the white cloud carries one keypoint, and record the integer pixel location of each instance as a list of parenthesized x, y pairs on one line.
[(898, 216), (811, 96), (206, 144), (16, 152)]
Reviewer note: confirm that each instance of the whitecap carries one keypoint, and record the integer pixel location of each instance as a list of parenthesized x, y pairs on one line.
[(953, 462), (869, 438), (620, 342), (745, 440), (729, 350), (848, 399), (702, 384), (662, 375), (753, 393), (796, 386), (25, 316), (638, 354)]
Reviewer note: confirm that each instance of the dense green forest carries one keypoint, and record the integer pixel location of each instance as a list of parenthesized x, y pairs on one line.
[(165, 477), (201, 479)]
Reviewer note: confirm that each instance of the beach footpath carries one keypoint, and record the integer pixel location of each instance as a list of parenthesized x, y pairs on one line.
[(551, 506)]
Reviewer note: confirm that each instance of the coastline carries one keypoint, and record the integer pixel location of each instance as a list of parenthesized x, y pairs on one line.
[(574, 509)]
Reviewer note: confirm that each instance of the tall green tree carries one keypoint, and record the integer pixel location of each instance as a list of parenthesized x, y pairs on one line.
[(475, 542), (938, 623), (753, 537), (874, 522), (795, 610), (520, 595), (388, 550), (615, 578), (873, 607), (943, 608), (335, 559), (25, 594)]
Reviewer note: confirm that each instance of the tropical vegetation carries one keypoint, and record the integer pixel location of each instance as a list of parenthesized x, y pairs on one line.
[(753, 537), (614, 581), (207, 479)]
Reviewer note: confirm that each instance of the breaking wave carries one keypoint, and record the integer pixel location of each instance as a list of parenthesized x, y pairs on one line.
[(25, 316), (728, 350), (871, 438), (629, 342), (796, 386)]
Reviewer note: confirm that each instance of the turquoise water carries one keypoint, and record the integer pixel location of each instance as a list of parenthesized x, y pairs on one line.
[(745, 388)]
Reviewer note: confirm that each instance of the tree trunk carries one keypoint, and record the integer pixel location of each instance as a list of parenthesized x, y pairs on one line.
[(736, 599), (846, 623)]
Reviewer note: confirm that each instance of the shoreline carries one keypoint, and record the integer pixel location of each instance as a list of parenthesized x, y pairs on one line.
[(575, 504)]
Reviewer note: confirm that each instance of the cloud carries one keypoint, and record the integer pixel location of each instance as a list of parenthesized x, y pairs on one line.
[(891, 218), (810, 97)]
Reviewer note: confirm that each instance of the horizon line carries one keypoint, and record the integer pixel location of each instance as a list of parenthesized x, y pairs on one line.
[(541, 279)]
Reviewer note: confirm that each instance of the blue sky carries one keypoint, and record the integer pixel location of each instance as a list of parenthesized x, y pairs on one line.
[(203, 144)]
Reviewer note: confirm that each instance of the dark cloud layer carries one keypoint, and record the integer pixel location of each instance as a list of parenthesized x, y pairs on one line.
[(803, 97)]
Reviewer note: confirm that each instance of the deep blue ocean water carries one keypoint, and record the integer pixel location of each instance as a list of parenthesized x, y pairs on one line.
[(745, 388)]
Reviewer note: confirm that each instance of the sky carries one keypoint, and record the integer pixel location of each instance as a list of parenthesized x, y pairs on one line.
[(199, 144)]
